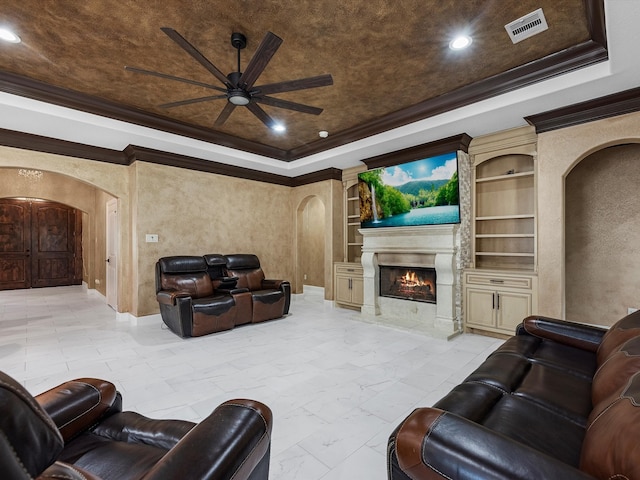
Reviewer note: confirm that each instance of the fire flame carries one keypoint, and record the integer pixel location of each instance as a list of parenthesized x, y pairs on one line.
[(410, 279)]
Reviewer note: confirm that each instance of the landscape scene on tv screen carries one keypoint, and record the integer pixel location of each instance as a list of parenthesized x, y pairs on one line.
[(422, 192)]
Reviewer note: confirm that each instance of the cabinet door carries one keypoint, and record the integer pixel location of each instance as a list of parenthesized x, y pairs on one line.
[(480, 309), (512, 308), (343, 292), (357, 290)]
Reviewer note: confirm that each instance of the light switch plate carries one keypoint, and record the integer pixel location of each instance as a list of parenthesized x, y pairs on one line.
[(152, 238)]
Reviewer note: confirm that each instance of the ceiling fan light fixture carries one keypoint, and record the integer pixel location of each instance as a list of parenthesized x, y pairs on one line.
[(239, 97)]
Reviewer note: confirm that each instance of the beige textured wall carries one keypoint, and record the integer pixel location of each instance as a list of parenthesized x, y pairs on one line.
[(196, 213), (602, 225), (558, 152)]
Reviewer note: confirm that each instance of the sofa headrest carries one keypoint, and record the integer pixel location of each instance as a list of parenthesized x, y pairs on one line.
[(611, 448), (619, 333), (182, 264), (29, 440), (242, 261), (215, 260)]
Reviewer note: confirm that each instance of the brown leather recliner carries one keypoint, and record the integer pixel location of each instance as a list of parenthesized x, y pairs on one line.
[(189, 304), (78, 431), (269, 298)]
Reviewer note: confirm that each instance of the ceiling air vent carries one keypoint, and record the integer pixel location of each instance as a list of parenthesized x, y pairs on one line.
[(527, 26)]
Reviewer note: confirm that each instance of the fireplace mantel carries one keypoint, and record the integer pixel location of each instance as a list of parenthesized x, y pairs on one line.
[(435, 246)]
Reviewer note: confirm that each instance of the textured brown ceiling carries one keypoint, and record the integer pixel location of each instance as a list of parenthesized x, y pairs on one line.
[(384, 56)]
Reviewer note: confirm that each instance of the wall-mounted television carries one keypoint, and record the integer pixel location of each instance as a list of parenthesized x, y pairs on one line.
[(421, 192)]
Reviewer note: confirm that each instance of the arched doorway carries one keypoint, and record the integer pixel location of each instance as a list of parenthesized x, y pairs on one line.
[(40, 244), (602, 223), (311, 243)]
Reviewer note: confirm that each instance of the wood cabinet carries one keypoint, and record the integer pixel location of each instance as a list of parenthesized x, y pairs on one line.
[(349, 284), (500, 287), (496, 302)]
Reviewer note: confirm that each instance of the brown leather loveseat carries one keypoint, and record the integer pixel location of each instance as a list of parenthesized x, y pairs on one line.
[(79, 431), (559, 400), (199, 295)]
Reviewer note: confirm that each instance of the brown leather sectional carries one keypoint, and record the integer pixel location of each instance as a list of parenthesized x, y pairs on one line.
[(202, 295), (557, 400)]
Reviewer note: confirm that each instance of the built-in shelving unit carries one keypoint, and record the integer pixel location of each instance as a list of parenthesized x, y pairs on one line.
[(501, 285), (348, 274)]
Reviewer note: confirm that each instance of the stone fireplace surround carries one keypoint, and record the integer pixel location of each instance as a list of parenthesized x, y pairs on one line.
[(424, 246)]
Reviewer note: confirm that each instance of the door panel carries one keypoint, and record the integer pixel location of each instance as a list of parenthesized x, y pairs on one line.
[(54, 245), (15, 244)]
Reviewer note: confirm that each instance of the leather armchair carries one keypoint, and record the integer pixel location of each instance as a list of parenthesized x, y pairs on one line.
[(189, 305), (269, 298), (78, 431)]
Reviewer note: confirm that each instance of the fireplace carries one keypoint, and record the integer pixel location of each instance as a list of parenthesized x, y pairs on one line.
[(433, 247), (408, 283)]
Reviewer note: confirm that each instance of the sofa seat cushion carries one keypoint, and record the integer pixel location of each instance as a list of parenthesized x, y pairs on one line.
[(531, 424), (215, 306), (547, 352), (111, 460), (566, 394), (267, 296)]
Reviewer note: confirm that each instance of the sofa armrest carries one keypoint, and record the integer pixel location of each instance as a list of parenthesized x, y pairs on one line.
[(77, 405), (233, 442), (168, 297), (585, 337), (283, 285), (433, 444)]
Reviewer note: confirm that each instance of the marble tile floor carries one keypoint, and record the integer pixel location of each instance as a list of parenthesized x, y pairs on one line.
[(337, 385)]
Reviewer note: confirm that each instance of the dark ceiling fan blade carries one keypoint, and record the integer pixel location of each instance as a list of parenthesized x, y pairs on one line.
[(171, 77), (261, 114), (191, 100), (298, 107), (193, 51), (291, 85), (224, 114), (268, 47)]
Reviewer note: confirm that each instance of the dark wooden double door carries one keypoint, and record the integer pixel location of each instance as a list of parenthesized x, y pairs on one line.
[(40, 244)]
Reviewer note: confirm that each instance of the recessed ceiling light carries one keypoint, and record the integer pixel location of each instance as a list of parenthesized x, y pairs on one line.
[(8, 36), (323, 134), (460, 42), (278, 127)]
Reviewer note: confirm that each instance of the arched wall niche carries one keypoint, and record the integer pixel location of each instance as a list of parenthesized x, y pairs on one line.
[(310, 241), (602, 221), (329, 194), (559, 152)]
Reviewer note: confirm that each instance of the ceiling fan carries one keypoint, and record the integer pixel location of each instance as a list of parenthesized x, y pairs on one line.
[(239, 89)]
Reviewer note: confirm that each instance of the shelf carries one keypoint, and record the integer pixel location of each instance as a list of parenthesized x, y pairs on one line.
[(353, 199), (354, 244), (354, 224), (354, 216), (504, 254), (505, 177), (506, 217), (505, 235)]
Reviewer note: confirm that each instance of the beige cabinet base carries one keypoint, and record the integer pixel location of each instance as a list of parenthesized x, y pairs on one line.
[(496, 302), (349, 284)]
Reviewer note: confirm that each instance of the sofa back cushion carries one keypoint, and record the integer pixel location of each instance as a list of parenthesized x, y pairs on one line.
[(197, 284), (29, 440), (247, 268), (616, 371), (611, 448), (619, 333)]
